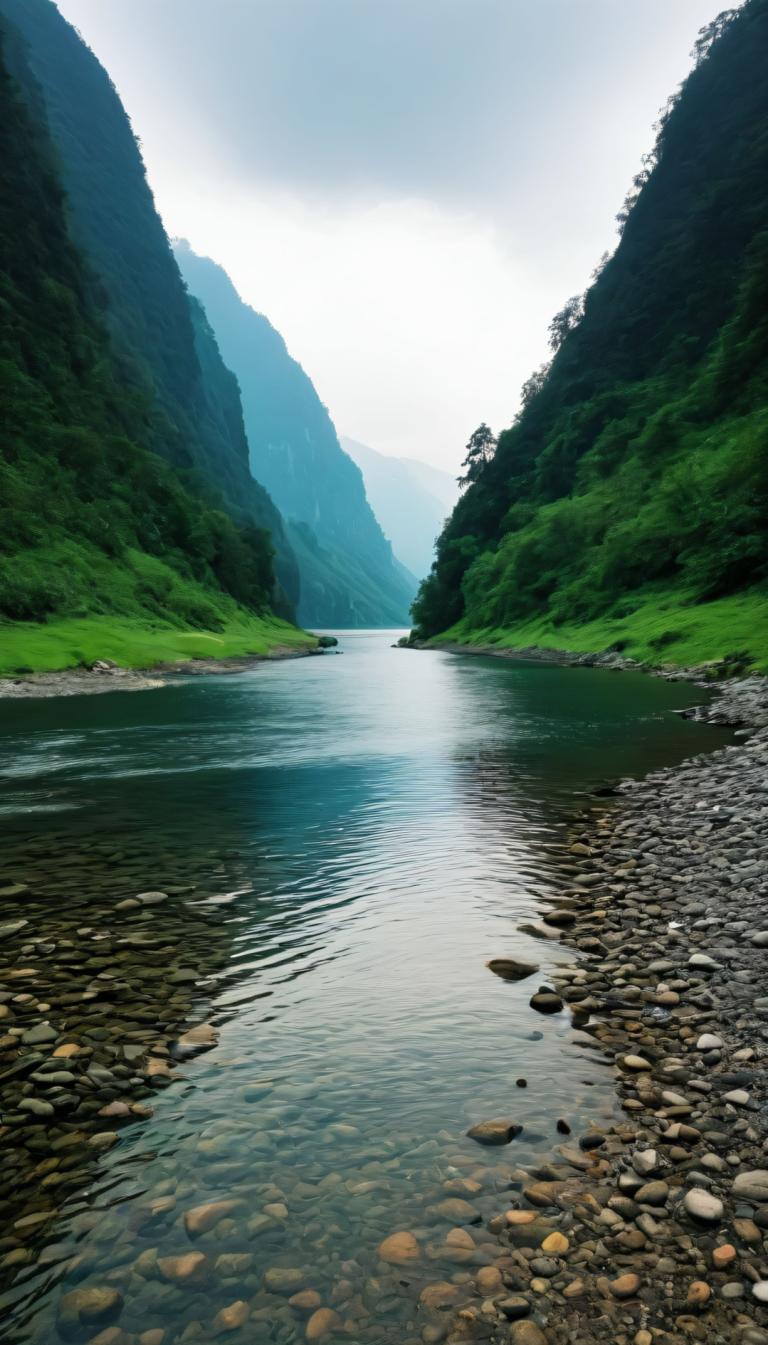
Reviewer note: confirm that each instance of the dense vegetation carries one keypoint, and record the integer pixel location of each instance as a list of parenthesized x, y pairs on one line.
[(92, 521), (348, 574), (168, 355), (629, 499)]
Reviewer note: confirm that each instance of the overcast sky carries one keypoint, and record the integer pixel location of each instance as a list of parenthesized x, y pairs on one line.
[(409, 189)]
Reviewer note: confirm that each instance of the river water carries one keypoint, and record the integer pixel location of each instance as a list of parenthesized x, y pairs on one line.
[(345, 842)]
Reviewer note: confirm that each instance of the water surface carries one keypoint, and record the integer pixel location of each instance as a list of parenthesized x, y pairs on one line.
[(358, 834)]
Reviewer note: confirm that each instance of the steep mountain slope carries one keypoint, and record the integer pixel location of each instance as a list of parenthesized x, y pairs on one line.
[(168, 356), (93, 523), (348, 573), (628, 503), (401, 492)]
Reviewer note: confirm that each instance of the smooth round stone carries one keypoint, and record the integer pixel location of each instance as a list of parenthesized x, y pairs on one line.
[(232, 1317), (546, 1001), (626, 1286), (752, 1185), (500, 1130), (555, 1244), (514, 1307), (510, 969), (760, 1291), (723, 1256), (96, 1306), (398, 1249), (653, 1193), (322, 1323), (703, 1206), (635, 1062), (709, 1042), (441, 1295), (527, 1333), (699, 1292)]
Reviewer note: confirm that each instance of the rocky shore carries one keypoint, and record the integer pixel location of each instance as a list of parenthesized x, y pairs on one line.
[(653, 1230)]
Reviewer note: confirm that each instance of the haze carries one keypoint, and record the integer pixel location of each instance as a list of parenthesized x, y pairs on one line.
[(409, 189)]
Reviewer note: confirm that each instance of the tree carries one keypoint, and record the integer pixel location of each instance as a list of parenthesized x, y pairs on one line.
[(565, 321), (480, 451)]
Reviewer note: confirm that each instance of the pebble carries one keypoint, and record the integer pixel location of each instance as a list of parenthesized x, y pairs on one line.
[(399, 1248), (499, 1131), (702, 1205)]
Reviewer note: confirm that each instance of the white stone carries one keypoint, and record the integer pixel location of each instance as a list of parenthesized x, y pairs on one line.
[(738, 1096), (760, 1291), (752, 1185), (709, 1042), (701, 1205)]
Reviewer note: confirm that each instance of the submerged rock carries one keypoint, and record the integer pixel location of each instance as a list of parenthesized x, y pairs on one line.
[(509, 969), (501, 1130)]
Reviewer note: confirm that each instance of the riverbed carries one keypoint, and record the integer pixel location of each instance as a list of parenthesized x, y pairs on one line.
[(342, 843)]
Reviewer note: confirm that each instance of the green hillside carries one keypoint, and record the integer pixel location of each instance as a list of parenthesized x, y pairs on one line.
[(166, 353), (93, 523), (627, 505)]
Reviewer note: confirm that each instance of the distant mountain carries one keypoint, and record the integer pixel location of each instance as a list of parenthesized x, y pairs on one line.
[(167, 352), (348, 573), (410, 499)]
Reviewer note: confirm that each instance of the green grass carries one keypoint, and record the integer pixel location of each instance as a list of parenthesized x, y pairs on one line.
[(662, 629), (46, 647)]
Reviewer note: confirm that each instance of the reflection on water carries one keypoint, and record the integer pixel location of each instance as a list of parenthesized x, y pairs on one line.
[(344, 843)]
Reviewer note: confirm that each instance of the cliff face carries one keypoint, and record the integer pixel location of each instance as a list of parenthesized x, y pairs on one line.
[(348, 573), (631, 493), (167, 354), (411, 500)]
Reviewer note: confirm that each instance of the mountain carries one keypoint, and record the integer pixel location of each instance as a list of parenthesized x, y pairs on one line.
[(349, 575), (626, 507), (410, 499), (168, 353), (96, 528)]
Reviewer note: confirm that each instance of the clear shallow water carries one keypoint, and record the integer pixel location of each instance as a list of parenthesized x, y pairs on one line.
[(363, 833)]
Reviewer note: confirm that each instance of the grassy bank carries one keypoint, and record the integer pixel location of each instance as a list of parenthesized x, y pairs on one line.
[(49, 646), (662, 629)]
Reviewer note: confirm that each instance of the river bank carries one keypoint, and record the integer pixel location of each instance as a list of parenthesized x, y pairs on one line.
[(107, 676), (653, 1228)]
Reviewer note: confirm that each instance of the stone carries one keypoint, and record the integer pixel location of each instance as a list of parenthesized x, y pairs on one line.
[(526, 1333), (39, 1035), (698, 1292), (489, 1280), (399, 1248), (322, 1323), (546, 1001), (709, 1042), (752, 1186), (703, 962), (501, 1130), (703, 1206), (511, 970), (555, 1244), (441, 1295), (190, 1267), (232, 1317), (626, 1286), (284, 1280), (197, 1039), (306, 1300), (635, 1063), (724, 1256), (95, 1306), (760, 1291), (514, 1307), (738, 1097), (205, 1217), (645, 1161), (66, 1051), (653, 1193)]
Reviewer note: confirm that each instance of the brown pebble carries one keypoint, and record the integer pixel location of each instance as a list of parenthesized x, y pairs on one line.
[(626, 1286), (699, 1292), (723, 1256)]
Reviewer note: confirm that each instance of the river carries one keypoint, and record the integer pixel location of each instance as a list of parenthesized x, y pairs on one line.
[(344, 842)]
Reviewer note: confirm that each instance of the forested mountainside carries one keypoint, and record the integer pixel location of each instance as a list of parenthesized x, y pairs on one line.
[(627, 505), (166, 352), (348, 573), (93, 522), (403, 496)]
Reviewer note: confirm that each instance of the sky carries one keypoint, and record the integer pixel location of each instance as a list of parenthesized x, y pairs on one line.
[(408, 189)]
